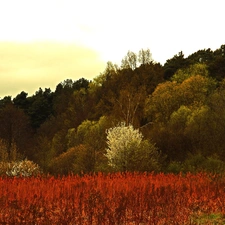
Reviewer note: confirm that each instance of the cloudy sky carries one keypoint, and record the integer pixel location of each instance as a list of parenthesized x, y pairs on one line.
[(43, 42)]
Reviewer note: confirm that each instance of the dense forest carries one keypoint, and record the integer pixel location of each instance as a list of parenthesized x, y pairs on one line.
[(178, 107)]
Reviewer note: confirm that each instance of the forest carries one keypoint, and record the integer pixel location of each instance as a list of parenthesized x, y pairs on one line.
[(177, 108)]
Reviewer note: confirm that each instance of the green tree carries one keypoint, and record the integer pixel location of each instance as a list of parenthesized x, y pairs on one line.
[(5, 101), (162, 102), (21, 101), (202, 56), (169, 96), (92, 135), (173, 64), (40, 107), (217, 68), (74, 160), (193, 70)]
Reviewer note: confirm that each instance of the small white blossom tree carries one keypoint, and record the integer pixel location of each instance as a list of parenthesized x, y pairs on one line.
[(127, 151), (24, 168)]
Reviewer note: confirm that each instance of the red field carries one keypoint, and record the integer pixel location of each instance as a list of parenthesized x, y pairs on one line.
[(110, 199)]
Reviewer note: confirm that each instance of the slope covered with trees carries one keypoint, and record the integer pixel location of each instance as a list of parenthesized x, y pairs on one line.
[(178, 107)]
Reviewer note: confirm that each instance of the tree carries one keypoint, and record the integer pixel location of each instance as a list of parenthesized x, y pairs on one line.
[(144, 56), (162, 102), (129, 106), (8, 155), (193, 70), (127, 151), (173, 64), (40, 107), (92, 135), (15, 129), (129, 61), (169, 96), (77, 159), (217, 68), (205, 55), (5, 101), (21, 101)]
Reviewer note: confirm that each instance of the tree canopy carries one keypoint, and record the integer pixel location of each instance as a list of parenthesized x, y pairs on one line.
[(173, 110)]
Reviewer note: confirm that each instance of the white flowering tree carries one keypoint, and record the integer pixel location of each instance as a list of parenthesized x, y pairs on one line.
[(127, 151)]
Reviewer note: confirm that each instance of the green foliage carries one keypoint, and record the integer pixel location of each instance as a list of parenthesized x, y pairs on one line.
[(198, 163), (169, 96), (85, 161), (207, 218), (91, 133), (162, 102), (40, 107), (79, 159), (193, 70), (173, 64), (178, 119), (63, 164), (174, 167)]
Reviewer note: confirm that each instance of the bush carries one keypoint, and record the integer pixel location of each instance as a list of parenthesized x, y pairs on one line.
[(174, 167), (78, 159), (24, 168), (198, 163)]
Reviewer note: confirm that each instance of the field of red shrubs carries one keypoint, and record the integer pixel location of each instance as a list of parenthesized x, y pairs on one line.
[(121, 198)]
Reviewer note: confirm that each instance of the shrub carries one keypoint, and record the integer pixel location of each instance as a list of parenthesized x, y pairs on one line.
[(25, 168), (198, 163), (174, 167), (75, 160)]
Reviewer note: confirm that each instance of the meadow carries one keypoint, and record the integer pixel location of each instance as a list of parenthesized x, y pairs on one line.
[(114, 199)]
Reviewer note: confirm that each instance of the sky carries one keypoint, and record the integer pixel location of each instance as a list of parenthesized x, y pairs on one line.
[(44, 42)]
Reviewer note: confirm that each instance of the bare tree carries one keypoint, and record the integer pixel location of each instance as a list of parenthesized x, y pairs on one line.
[(144, 56)]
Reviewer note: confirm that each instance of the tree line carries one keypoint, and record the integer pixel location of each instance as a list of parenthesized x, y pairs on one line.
[(178, 107)]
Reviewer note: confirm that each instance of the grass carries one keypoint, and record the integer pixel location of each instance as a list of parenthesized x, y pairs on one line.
[(208, 219)]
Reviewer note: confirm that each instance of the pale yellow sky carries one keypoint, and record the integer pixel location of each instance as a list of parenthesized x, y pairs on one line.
[(43, 42)]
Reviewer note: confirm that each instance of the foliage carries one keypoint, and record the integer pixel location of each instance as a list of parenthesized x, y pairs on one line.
[(192, 70), (78, 159), (6, 154), (178, 106), (210, 218), (127, 151), (24, 168), (172, 65), (63, 163), (15, 129), (197, 163), (131, 60), (41, 107), (92, 134)]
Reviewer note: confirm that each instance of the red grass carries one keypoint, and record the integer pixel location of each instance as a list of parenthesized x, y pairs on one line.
[(128, 198)]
